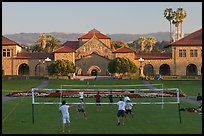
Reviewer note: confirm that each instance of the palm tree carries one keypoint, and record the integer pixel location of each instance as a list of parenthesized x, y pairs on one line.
[(40, 44), (52, 43), (151, 42), (141, 41), (182, 16), (169, 15)]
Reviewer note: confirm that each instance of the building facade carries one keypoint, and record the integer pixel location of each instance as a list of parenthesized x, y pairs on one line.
[(92, 52)]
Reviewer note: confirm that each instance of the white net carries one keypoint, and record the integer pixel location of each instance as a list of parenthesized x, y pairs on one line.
[(138, 96)]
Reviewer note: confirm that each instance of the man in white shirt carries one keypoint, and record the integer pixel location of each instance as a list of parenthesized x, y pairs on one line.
[(121, 110), (65, 115), (128, 107), (81, 95)]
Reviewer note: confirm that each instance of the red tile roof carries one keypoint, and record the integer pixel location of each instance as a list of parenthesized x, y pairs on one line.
[(36, 55), (153, 55), (93, 32), (64, 49), (194, 38), (72, 44), (123, 49), (6, 41)]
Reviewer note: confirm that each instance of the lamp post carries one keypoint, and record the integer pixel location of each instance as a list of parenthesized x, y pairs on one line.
[(141, 74), (47, 60), (39, 66)]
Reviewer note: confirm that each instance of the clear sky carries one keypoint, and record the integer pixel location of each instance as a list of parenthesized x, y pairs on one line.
[(107, 17)]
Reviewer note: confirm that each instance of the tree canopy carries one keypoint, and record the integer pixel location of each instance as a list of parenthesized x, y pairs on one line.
[(61, 68), (121, 66)]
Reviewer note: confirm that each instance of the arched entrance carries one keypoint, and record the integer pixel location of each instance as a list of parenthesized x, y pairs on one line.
[(191, 70), (94, 71), (23, 69), (164, 70), (78, 71), (148, 70)]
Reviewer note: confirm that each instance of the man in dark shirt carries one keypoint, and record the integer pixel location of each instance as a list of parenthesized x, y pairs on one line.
[(199, 99)]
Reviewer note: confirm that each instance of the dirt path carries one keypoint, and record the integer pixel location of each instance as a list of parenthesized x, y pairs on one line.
[(43, 84)]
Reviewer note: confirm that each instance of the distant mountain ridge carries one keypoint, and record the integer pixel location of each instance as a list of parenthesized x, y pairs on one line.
[(31, 38)]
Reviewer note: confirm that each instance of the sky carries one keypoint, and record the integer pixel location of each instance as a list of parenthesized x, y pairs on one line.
[(107, 17)]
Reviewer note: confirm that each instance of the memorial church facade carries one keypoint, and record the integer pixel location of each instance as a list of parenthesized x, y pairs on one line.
[(93, 50)]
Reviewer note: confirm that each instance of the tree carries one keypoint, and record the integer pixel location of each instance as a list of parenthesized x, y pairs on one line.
[(46, 43), (141, 42), (52, 43), (180, 15), (39, 44), (169, 15), (151, 42), (122, 66), (61, 67), (118, 44)]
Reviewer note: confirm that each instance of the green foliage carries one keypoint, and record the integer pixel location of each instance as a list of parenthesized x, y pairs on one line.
[(51, 42), (61, 67), (118, 44), (122, 65)]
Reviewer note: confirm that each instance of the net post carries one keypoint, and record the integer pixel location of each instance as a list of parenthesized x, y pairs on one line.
[(179, 112), (177, 95), (33, 113), (162, 98), (33, 101), (60, 95)]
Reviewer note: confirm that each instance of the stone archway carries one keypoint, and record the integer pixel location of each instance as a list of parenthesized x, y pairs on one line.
[(23, 69), (148, 70), (94, 71), (78, 71), (164, 70), (191, 70)]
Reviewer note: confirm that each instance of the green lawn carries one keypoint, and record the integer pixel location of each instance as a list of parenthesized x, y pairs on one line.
[(189, 87), (18, 85), (148, 119)]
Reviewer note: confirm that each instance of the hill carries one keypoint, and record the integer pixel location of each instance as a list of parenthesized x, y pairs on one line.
[(30, 38)]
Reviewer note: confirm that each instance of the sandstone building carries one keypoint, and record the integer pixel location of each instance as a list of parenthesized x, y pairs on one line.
[(92, 52)]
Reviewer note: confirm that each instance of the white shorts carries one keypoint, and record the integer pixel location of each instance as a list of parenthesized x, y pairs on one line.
[(65, 120)]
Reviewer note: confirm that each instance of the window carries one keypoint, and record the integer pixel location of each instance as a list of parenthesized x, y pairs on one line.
[(6, 52), (191, 53), (195, 53), (182, 53)]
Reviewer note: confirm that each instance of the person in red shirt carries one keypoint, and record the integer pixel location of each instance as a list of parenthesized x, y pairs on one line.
[(98, 101)]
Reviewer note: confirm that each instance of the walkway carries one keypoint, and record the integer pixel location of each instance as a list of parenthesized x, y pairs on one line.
[(42, 85), (188, 99)]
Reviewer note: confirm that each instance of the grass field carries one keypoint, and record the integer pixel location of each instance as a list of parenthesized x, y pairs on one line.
[(148, 119)]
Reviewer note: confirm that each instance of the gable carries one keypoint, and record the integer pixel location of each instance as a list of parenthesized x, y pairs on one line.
[(93, 45)]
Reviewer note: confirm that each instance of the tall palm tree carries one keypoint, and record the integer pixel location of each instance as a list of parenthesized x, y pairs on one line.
[(141, 41), (182, 16), (169, 15), (176, 22), (151, 42)]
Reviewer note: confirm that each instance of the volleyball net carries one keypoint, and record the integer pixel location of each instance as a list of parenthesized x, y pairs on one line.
[(153, 95)]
